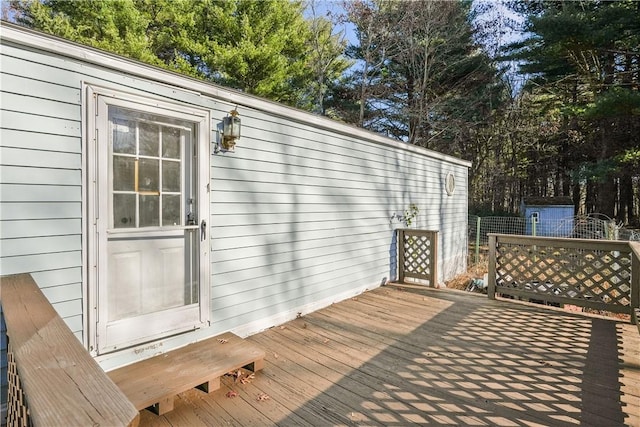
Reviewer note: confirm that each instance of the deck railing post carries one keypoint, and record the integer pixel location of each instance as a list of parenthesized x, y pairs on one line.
[(491, 285), (401, 255), (635, 281), (433, 282)]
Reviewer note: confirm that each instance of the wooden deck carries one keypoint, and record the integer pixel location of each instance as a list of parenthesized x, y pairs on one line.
[(402, 355)]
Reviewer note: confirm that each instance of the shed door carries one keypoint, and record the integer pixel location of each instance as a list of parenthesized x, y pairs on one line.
[(152, 215)]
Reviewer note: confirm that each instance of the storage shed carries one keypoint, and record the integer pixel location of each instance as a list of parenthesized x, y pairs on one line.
[(146, 234), (548, 216)]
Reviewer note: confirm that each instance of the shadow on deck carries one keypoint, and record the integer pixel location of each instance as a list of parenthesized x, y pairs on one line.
[(403, 355)]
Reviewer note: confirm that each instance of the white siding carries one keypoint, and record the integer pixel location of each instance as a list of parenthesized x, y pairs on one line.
[(41, 182), (300, 213)]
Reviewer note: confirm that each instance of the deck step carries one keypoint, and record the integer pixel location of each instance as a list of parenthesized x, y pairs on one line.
[(153, 383)]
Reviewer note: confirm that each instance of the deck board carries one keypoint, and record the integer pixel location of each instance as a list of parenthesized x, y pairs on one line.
[(402, 355)]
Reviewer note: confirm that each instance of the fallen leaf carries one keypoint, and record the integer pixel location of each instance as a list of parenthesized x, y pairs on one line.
[(235, 374), (232, 394), (262, 397), (222, 341), (247, 379), (304, 325)]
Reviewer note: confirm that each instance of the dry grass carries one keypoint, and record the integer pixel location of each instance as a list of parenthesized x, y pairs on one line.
[(462, 280)]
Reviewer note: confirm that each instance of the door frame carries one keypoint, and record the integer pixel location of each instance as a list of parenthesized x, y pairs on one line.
[(95, 198)]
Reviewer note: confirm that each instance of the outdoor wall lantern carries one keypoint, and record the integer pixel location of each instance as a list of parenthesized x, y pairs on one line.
[(230, 130)]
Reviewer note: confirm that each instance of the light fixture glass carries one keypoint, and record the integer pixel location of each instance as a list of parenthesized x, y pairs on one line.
[(230, 130)]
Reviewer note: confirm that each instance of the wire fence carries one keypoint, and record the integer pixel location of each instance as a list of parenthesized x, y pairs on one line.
[(594, 226)]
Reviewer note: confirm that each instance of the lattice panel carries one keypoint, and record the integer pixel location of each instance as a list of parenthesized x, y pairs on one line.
[(583, 274), (17, 411), (418, 255)]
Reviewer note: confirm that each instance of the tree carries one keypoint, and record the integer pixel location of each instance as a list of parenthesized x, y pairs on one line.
[(422, 78), (585, 55), (325, 59), (259, 47), (373, 31), (113, 25)]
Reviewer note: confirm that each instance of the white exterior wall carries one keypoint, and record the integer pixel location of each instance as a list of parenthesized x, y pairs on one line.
[(300, 212)]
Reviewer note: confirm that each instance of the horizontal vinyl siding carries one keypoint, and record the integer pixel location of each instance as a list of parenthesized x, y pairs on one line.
[(301, 214), (41, 181), (298, 214)]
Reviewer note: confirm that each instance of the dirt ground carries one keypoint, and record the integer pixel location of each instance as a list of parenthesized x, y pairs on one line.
[(462, 280)]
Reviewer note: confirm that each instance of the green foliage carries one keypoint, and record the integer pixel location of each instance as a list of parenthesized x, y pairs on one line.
[(326, 61), (259, 47), (615, 103), (113, 25), (595, 171), (630, 158), (583, 57), (408, 215)]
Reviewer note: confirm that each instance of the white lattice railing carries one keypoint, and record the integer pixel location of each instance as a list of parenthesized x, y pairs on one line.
[(597, 274), (418, 255)]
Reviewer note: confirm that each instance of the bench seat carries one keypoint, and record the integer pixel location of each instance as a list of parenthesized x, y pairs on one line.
[(153, 383)]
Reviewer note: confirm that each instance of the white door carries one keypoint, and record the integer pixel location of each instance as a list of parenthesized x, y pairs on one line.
[(150, 193)]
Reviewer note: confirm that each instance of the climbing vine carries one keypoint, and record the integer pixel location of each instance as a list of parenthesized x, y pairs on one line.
[(408, 215)]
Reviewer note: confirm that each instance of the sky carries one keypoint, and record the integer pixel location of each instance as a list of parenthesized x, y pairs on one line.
[(496, 10), (331, 9), (511, 26)]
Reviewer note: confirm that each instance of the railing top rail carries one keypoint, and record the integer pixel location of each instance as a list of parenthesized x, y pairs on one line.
[(635, 248), (63, 384), (615, 245), (417, 232)]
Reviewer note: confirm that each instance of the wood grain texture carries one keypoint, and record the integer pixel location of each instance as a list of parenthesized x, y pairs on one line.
[(410, 355), (62, 383), (155, 381)]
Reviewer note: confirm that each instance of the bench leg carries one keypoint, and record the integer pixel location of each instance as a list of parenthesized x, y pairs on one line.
[(209, 386), (163, 406), (255, 366)]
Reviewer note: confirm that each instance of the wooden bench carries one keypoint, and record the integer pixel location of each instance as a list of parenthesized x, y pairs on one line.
[(53, 380), (153, 383)]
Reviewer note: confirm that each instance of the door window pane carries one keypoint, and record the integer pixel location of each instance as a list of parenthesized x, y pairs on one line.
[(123, 173), (148, 166), (124, 210), (170, 176), (124, 136), (171, 210), (149, 211), (149, 139), (149, 175), (170, 143)]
